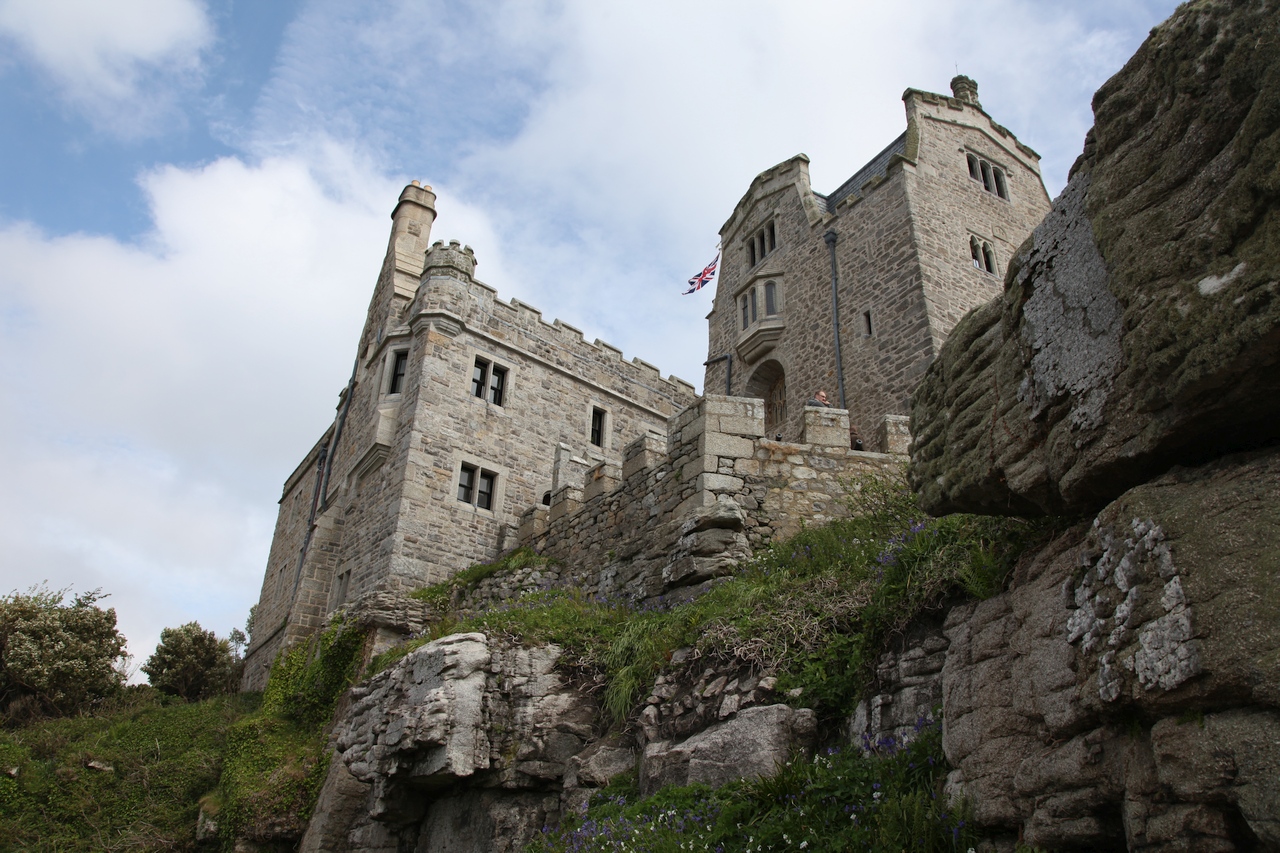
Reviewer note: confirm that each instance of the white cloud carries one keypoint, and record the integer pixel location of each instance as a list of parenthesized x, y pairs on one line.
[(120, 63), (158, 394)]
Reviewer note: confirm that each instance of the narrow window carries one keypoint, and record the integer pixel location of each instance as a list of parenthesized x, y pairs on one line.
[(753, 304), (751, 249), (770, 298), (866, 323), (546, 499), (1001, 189), (988, 257), (497, 384), (484, 494), (344, 581), (597, 427), (773, 243), (478, 377), (986, 177), (973, 167), (974, 250), (466, 483), (745, 321), (398, 366), (763, 250)]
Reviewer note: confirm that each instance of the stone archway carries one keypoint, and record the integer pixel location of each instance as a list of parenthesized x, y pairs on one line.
[(769, 382)]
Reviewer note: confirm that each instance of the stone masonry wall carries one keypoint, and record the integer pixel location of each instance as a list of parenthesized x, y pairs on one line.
[(905, 276), (669, 519), (390, 512)]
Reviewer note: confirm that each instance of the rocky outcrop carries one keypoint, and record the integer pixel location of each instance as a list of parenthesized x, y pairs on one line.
[(1126, 690), (463, 745), (468, 744), (1140, 325)]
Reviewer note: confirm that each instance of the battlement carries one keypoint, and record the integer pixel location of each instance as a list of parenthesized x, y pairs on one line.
[(675, 511), (450, 291)]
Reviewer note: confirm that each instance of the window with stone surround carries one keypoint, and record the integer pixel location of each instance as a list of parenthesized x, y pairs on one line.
[(599, 426), (476, 486), (983, 255), (761, 244), (398, 364), (989, 175), (489, 381), (766, 295)]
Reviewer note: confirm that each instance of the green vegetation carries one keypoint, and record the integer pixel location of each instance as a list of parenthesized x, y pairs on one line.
[(274, 760), (193, 663), (839, 800), (135, 774), (817, 609), (127, 778), (56, 659)]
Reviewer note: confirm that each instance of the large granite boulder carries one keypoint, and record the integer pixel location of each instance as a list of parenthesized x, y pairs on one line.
[(1125, 692), (1140, 324), (462, 745)]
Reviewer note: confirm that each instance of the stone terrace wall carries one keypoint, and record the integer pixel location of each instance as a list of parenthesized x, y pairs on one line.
[(669, 519)]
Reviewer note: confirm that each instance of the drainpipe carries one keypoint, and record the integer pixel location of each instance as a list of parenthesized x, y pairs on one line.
[(728, 376), (337, 432), (830, 238), (311, 521)]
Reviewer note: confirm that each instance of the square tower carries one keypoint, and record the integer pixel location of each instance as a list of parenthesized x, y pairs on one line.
[(854, 292)]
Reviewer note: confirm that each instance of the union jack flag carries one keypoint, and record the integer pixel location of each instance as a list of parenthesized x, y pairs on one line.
[(700, 280)]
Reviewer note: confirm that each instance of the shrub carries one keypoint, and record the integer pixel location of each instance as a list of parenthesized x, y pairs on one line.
[(56, 659), (276, 759), (193, 663)]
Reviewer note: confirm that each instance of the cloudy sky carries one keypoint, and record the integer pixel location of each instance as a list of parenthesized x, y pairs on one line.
[(194, 201)]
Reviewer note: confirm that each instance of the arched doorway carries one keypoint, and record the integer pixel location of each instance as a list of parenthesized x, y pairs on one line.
[(769, 382)]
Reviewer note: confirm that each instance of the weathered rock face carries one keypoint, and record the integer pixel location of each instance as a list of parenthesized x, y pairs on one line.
[(753, 742), (1125, 692), (1140, 325), (471, 745), (461, 746)]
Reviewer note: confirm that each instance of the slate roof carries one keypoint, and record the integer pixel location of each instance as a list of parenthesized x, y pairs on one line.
[(876, 168)]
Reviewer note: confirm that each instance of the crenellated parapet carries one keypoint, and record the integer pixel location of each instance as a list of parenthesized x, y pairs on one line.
[(676, 511), (450, 298)]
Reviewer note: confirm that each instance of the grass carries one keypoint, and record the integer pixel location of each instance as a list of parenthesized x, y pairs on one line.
[(129, 777)]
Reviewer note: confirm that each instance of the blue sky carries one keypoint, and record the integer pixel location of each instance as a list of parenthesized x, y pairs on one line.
[(194, 202)]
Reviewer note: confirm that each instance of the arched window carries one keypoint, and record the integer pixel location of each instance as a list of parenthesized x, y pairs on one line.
[(988, 174), (982, 254)]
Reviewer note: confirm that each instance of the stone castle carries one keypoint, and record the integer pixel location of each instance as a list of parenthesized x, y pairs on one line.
[(1119, 691), (470, 425)]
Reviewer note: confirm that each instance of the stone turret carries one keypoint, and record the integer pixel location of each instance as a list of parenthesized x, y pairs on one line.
[(411, 222), (965, 89), (453, 260)]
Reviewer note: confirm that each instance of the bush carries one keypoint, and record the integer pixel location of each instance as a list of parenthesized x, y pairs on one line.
[(56, 659), (276, 759), (193, 663)]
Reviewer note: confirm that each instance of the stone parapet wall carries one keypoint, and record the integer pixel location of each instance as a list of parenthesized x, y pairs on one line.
[(448, 292), (659, 525)]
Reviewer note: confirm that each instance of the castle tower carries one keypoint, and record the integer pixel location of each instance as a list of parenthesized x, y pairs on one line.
[(457, 408), (854, 292)]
